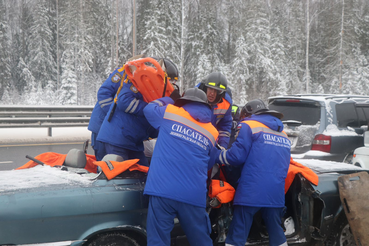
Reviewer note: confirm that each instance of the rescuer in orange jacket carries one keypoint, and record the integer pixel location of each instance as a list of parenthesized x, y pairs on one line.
[(176, 181), (262, 149), (215, 86)]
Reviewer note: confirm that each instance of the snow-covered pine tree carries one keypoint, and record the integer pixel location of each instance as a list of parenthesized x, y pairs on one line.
[(41, 60), (67, 93), (193, 47), (5, 69), (68, 89), (261, 66), (83, 57), (30, 92), (240, 73)]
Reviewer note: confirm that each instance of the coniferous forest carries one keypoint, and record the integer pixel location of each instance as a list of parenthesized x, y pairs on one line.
[(59, 52)]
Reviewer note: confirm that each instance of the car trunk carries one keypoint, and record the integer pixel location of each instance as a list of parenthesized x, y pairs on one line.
[(301, 121)]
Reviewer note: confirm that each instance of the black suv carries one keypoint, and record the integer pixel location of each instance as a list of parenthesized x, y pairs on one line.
[(323, 126)]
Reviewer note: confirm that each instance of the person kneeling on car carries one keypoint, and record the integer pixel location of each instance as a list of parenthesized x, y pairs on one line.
[(176, 181)]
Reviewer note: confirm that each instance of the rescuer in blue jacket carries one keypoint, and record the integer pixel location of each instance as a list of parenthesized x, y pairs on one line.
[(176, 181), (125, 127), (263, 151), (215, 86), (105, 97)]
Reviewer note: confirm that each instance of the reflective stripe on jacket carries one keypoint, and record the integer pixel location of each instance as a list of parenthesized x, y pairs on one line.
[(263, 149), (180, 162), (105, 97), (222, 119), (128, 127), (180, 115), (257, 127)]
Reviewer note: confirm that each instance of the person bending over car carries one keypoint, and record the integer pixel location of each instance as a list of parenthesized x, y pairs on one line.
[(105, 97), (125, 127), (263, 149), (176, 181)]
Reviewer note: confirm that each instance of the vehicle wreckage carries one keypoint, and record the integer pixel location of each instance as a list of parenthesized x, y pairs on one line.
[(66, 200)]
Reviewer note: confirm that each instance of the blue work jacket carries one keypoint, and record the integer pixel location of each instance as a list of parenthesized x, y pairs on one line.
[(128, 127), (263, 151), (181, 158), (105, 97)]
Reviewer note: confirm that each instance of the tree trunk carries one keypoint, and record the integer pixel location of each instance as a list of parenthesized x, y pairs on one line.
[(341, 45), (307, 46)]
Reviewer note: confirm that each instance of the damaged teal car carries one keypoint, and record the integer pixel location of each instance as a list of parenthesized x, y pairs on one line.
[(66, 205)]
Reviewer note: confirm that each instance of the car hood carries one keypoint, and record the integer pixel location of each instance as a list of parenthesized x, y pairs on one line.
[(320, 166), (42, 176), (362, 151)]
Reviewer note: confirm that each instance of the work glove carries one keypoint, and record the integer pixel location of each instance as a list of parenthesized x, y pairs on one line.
[(175, 95), (214, 202)]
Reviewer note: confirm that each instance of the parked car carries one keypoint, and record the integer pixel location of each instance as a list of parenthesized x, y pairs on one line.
[(70, 206), (361, 155), (323, 126)]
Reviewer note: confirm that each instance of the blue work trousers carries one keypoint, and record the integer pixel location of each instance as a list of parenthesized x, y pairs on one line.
[(160, 221), (98, 147), (242, 220)]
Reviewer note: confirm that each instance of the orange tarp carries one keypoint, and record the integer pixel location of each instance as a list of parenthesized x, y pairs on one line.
[(56, 159), (296, 168), (119, 167), (223, 191)]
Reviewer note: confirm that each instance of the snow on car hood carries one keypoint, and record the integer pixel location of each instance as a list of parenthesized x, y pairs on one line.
[(40, 176), (320, 166)]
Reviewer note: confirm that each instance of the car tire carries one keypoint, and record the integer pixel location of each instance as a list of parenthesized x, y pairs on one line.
[(341, 234), (113, 239)]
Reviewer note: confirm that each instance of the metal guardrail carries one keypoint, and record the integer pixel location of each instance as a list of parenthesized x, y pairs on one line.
[(44, 116)]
